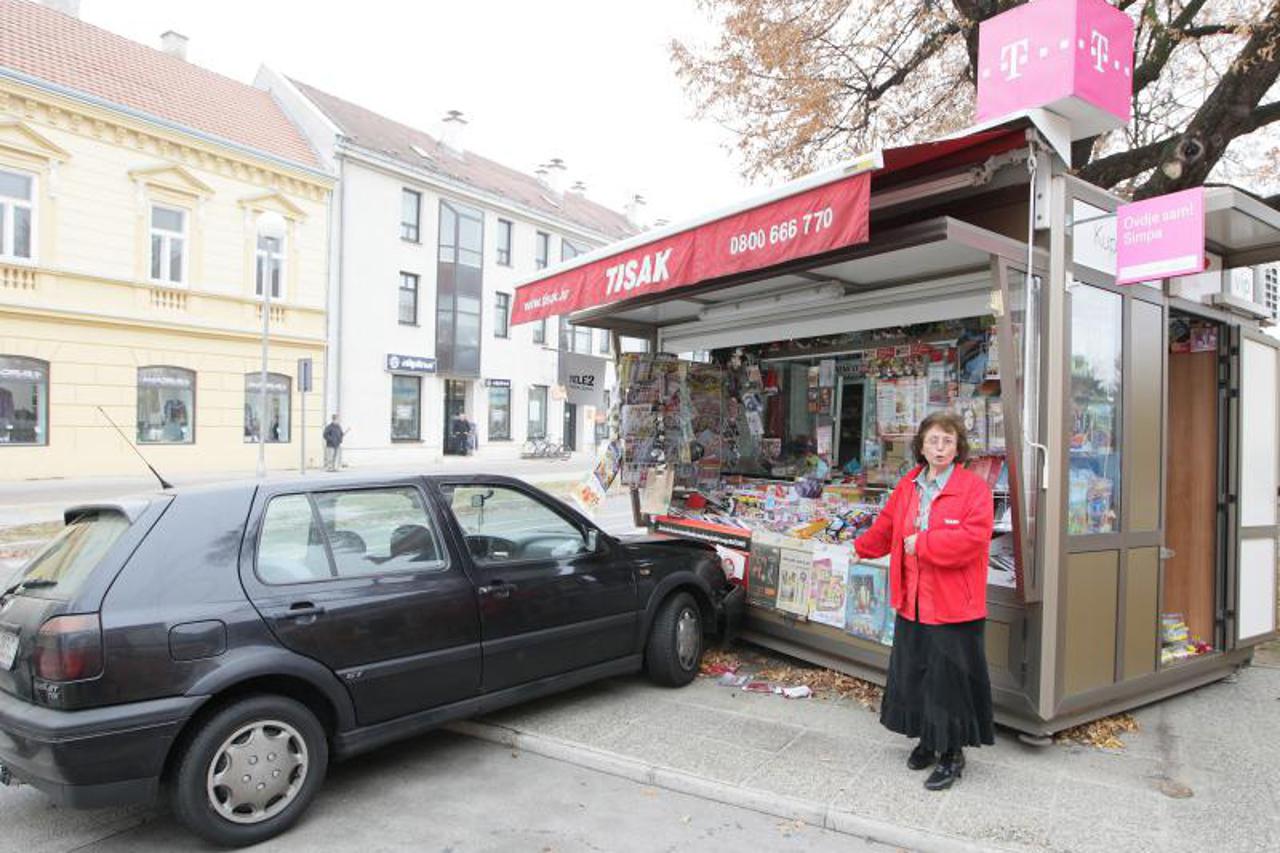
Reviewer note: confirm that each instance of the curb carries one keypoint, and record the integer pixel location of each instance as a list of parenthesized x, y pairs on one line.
[(776, 805)]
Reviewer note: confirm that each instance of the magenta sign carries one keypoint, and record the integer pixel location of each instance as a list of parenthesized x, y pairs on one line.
[(1072, 57), (1160, 237)]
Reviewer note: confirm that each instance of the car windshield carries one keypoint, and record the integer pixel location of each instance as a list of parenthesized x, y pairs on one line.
[(67, 560)]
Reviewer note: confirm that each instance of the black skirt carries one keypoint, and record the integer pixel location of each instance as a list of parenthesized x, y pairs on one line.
[(939, 689)]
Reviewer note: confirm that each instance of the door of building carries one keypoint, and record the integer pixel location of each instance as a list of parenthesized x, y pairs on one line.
[(570, 426), (456, 427)]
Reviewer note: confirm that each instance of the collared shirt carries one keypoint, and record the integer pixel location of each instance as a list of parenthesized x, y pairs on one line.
[(928, 490)]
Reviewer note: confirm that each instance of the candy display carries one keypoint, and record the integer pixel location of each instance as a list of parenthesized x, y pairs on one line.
[(1177, 641)]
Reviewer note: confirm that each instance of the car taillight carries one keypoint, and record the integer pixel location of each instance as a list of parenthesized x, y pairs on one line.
[(68, 648)]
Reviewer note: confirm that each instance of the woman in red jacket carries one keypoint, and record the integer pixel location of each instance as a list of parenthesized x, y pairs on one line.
[(936, 527)]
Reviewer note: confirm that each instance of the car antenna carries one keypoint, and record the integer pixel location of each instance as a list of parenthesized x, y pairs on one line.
[(164, 484)]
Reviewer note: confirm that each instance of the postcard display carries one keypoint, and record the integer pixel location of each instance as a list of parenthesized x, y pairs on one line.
[(720, 453)]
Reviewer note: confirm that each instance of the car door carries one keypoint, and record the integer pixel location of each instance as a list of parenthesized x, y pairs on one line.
[(555, 595), (361, 580)]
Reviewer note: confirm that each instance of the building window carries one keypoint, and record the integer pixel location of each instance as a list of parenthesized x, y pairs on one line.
[(24, 400), (537, 411), (168, 244), (499, 414), (504, 243), (269, 262), (459, 289), (574, 338), (1093, 501), (502, 316), (569, 250), (604, 341), (406, 406), (408, 299), (166, 405), (411, 216), (279, 388), (1271, 290), (540, 331), (542, 250), (17, 193)]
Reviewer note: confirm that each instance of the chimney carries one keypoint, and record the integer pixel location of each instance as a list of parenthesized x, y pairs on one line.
[(632, 209), (557, 174), (174, 44), (66, 7), (451, 127)]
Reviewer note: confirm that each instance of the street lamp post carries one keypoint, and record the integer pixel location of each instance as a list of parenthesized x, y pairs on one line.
[(271, 225)]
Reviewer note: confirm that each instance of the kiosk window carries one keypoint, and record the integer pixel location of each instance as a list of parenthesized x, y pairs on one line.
[(1093, 502)]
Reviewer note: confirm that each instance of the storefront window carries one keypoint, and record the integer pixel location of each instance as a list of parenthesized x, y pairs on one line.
[(278, 407), (1093, 500), (538, 411), (499, 413), (24, 400), (406, 407), (166, 405)]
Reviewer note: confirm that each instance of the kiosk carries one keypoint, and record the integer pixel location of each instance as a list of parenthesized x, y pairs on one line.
[(1137, 425)]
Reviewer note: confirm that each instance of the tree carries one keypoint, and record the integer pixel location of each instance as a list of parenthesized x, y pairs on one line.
[(807, 82)]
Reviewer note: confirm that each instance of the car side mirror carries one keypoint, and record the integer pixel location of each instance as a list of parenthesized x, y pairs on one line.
[(477, 501), (593, 540)]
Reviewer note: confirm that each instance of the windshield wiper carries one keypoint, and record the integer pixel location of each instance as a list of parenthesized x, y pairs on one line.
[(34, 583)]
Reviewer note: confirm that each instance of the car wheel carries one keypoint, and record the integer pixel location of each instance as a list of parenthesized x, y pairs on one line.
[(674, 651), (250, 771)]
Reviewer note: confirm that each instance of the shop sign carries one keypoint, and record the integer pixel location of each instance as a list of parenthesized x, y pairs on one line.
[(1071, 57), (583, 378), (704, 531), (275, 384), (814, 221), (497, 383), (1093, 237), (1160, 237), (410, 364), (164, 380)]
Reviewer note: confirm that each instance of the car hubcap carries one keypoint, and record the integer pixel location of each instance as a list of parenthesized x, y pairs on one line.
[(687, 636), (257, 772)]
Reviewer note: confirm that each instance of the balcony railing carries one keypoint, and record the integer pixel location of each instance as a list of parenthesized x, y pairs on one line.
[(15, 277)]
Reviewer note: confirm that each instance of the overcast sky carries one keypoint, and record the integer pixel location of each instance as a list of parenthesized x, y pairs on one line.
[(589, 82)]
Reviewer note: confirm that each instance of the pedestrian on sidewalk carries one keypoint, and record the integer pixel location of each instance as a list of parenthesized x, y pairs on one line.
[(333, 435), (937, 528)]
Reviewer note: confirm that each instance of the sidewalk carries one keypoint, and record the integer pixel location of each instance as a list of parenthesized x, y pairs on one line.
[(1198, 775)]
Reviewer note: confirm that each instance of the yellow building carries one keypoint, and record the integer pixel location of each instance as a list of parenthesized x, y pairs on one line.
[(132, 191)]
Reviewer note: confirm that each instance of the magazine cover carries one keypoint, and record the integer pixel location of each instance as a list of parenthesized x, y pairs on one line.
[(793, 577), (827, 584), (868, 601), (995, 425), (973, 412), (762, 568)]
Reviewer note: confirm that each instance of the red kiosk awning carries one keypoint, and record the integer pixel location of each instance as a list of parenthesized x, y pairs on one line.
[(810, 221)]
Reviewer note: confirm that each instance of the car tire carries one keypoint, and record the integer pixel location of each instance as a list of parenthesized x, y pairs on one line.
[(282, 750), (673, 653)]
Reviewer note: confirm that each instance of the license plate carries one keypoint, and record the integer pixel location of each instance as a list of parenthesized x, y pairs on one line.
[(8, 649)]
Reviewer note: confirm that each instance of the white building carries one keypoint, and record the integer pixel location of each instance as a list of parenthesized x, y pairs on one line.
[(427, 241)]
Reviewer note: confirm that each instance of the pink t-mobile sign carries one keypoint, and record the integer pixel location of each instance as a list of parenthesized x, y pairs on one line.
[(1072, 57), (1160, 237)]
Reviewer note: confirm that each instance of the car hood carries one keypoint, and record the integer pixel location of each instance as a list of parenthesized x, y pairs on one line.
[(661, 544)]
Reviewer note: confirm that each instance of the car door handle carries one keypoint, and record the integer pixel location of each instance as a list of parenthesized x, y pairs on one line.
[(301, 610), (497, 589)]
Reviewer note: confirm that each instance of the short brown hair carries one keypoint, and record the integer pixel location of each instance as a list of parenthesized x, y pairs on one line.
[(947, 422)]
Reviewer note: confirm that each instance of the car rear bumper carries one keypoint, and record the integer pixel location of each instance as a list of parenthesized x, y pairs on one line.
[(94, 757)]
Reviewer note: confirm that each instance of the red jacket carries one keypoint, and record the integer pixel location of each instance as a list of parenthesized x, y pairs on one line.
[(948, 578)]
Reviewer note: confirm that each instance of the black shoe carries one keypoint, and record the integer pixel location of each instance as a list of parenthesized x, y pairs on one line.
[(950, 768), (921, 758)]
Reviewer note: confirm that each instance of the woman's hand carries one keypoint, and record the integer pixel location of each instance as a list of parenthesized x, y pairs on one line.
[(909, 544)]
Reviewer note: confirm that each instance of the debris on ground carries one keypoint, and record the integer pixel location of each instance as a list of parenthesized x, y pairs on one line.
[(760, 674), (1103, 734)]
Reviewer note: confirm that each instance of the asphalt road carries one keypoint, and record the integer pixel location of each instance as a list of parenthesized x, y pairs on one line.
[(444, 792)]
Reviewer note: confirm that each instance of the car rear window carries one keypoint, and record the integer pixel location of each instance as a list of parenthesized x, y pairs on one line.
[(64, 563)]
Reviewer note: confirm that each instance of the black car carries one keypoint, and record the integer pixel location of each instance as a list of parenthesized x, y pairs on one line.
[(224, 643)]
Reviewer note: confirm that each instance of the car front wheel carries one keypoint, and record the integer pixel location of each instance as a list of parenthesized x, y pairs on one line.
[(250, 771), (674, 651)]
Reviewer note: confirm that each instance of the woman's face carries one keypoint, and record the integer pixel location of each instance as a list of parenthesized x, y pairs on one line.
[(939, 447)]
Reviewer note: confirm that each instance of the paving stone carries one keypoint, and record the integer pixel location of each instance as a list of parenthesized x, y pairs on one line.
[(898, 799), (1087, 836), (970, 815), (802, 777), (1116, 807), (712, 759), (848, 751)]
